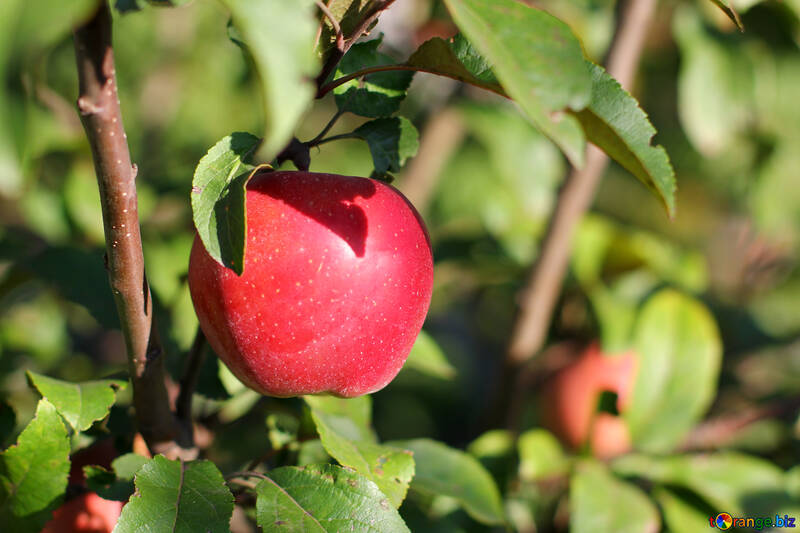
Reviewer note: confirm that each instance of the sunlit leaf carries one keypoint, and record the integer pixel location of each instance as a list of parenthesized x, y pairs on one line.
[(177, 496), (323, 498)]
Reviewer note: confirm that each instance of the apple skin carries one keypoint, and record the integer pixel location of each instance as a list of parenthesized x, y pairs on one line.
[(570, 398), (87, 513), (337, 282)]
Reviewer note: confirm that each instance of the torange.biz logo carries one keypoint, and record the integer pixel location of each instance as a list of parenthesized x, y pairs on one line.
[(726, 521)]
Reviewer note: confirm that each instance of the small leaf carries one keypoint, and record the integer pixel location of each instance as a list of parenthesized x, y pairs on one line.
[(33, 472), (679, 355), (350, 417), (218, 198), (280, 37), (728, 9), (117, 484), (427, 358), (540, 455), (391, 142), (281, 429), (445, 471), (323, 498), (178, 496), (601, 503), (81, 404), (455, 59), (538, 61), (376, 95), (391, 469), (615, 123)]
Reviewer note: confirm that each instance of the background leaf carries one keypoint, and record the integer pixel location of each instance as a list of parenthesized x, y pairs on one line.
[(218, 198), (679, 354), (732, 482), (280, 37), (178, 496), (323, 498), (615, 123), (81, 404), (118, 483), (538, 61), (427, 358), (33, 472), (445, 471), (600, 502)]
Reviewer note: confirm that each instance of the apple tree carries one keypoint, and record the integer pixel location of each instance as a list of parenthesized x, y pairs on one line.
[(240, 290)]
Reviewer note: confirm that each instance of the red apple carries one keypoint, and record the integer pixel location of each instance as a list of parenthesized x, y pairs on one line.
[(337, 281), (88, 513), (570, 402)]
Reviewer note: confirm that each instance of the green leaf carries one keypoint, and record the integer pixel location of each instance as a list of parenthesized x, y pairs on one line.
[(348, 13), (177, 496), (540, 455), (538, 61), (445, 471), (218, 198), (118, 483), (729, 481), (280, 36), (455, 59), (681, 512), (323, 498), (391, 469), (81, 404), (391, 142), (679, 355), (376, 95), (729, 10), (601, 503), (33, 472), (427, 358), (350, 417), (282, 429), (615, 123)]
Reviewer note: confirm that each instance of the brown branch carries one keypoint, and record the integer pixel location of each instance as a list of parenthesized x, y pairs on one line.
[(339, 51), (99, 108), (720, 431), (538, 298)]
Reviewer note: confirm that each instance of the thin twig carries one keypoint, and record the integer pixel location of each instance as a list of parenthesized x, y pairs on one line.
[(328, 87), (326, 129), (101, 116), (538, 298), (196, 356), (338, 53), (334, 23), (333, 138)]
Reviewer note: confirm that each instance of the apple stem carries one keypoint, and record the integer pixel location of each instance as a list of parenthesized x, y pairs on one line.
[(99, 108), (538, 298)]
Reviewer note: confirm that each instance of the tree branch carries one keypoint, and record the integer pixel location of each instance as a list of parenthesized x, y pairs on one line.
[(538, 298), (196, 356), (349, 40), (100, 113)]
